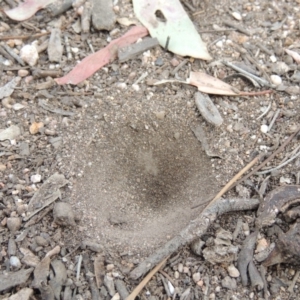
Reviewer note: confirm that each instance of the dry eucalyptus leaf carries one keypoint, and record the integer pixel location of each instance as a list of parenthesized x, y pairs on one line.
[(167, 20)]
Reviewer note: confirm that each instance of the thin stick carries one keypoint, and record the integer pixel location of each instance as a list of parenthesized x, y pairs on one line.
[(22, 37), (234, 179), (269, 158), (141, 285), (231, 182)]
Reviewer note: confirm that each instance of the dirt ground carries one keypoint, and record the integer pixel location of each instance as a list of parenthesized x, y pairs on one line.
[(133, 165)]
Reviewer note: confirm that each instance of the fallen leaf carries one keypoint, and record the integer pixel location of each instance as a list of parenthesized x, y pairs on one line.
[(167, 20), (294, 55), (211, 85), (92, 63), (27, 9)]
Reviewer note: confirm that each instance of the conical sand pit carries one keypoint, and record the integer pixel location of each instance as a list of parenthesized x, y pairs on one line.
[(140, 170)]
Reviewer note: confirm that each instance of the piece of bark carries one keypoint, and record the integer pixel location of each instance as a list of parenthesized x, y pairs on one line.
[(134, 50), (10, 280), (93, 287), (46, 194), (55, 48), (41, 272), (103, 16), (23, 294), (195, 229), (99, 269), (60, 277)]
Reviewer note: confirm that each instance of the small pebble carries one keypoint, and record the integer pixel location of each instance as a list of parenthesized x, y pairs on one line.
[(15, 262), (13, 224), (116, 297), (237, 15), (176, 274), (35, 127), (196, 277), (63, 214), (276, 80), (233, 271), (23, 73), (273, 58), (186, 270), (110, 267), (160, 115), (229, 283), (29, 54), (2, 168), (262, 244), (18, 106), (36, 178), (264, 128)]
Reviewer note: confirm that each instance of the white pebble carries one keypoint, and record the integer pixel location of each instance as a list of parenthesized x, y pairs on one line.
[(35, 178), (15, 262), (264, 128), (176, 274), (233, 271), (18, 106), (29, 54), (171, 288), (273, 58), (237, 15), (196, 277), (219, 44), (276, 79)]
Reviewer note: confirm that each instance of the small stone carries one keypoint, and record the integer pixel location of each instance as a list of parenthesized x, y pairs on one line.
[(103, 16), (2, 168), (63, 214), (180, 268), (196, 277), (251, 295), (13, 224), (35, 127), (15, 262), (41, 241), (110, 267), (261, 245), (174, 62), (276, 79), (186, 270), (176, 274), (17, 106), (23, 73), (36, 178), (237, 15), (229, 283), (12, 247), (264, 128), (176, 135), (273, 58), (159, 62), (160, 115), (116, 297), (29, 54), (233, 271)]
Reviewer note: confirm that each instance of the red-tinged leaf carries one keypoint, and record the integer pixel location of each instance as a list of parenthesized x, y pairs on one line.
[(211, 85), (92, 63), (294, 55), (27, 9)]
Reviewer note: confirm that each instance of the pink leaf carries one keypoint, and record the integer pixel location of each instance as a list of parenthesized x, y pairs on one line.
[(92, 63), (27, 9), (211, 85)]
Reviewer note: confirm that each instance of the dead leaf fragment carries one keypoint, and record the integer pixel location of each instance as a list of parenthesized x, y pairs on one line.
[(211, 85), (92, 63), (294, 55), (27, 9), (35, 127), (9, 280), (173, 25)]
